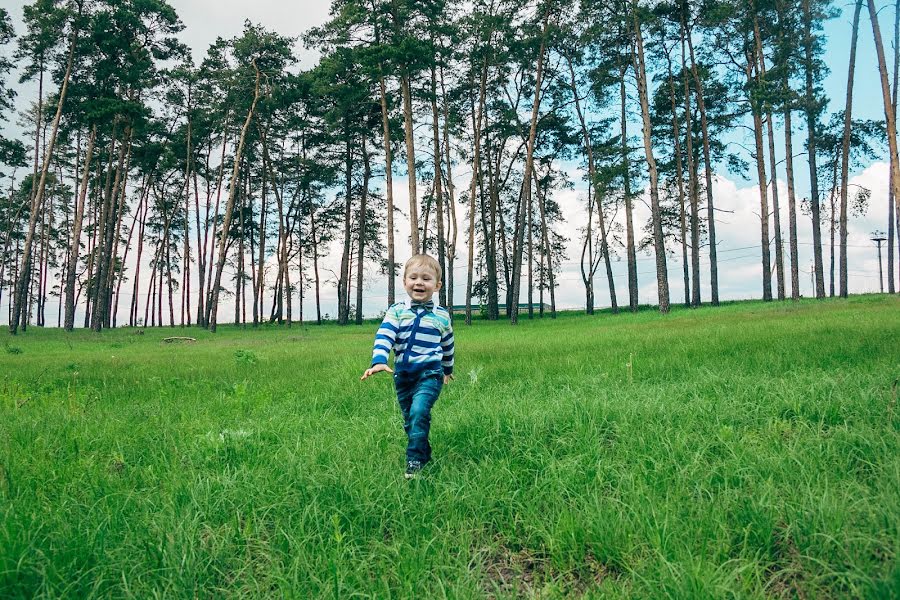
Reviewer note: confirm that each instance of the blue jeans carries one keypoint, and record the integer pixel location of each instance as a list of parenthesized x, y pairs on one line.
[(416, 394)]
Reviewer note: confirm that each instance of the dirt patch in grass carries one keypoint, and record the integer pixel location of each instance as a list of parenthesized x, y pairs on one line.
[(786, 576), (524, 573), (593, 574), (512, 572)]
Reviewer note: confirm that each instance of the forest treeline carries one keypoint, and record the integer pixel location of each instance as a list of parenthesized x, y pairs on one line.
[(150, 188)]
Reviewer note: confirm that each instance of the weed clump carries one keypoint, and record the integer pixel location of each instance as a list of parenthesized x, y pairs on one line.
[(245, 357)]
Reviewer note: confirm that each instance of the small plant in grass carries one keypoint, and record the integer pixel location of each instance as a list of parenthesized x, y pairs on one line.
[(12, 349), (245, 357)]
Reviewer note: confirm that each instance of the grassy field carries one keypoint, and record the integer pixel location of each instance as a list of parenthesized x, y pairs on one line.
[(749, 451)]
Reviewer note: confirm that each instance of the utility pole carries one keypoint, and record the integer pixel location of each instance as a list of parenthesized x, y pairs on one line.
[(878, 237)]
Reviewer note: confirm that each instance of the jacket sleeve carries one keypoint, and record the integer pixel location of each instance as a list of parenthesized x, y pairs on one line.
[(448, 349), (385, 337)]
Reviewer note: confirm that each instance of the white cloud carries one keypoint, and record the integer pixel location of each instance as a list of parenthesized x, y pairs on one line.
[(205, 20)]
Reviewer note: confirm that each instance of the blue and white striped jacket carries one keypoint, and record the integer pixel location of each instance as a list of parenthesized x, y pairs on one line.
[(420, 335)]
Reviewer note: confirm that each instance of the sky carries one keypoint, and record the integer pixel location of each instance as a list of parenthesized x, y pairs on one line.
[(738, 224)]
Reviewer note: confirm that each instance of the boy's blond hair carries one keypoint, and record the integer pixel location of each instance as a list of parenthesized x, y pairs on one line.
[(423, 260)]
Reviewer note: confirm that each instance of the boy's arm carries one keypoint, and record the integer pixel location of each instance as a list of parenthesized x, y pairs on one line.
[(384, 343), (448, 349), (375, 369)]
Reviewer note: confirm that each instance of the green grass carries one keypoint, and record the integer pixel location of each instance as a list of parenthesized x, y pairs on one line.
[(752, 451)]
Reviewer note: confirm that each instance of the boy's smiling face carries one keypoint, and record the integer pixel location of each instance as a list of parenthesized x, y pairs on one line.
[(421, 283)]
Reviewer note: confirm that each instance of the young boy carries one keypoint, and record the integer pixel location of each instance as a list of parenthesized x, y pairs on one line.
[(421, 336)]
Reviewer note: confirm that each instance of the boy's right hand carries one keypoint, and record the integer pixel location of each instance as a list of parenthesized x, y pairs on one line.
[(375, 369)]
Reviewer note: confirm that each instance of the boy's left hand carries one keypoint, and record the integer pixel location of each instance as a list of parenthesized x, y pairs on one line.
[(375, 369), (448, 379)]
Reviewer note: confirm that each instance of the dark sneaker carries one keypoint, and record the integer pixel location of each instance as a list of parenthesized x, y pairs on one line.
[(413, 467)]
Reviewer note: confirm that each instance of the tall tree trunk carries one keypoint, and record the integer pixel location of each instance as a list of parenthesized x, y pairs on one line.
[(833, 226), (226, 224), (285, 236), (169, 272), (201, 250), (344, 278), (149, 316), (763, 206), (389, 189), (549, 250), (707, 167), (43, 260), (679, 179), (427, 201), (315, 256), (39, 131), (259, 283), (892, 221), (360, 256), (410, 164), (792, 204), (186, 242), (72, 266), (753, 65), (693, 184), (662, 276), (92, 246), (494, 214), (476, 163), (451, 197), (20, 298), (137, 265), (529, 218), (162, 265), (845, 150), (240, 291), (438, 191), (630, 250), (776, 210), (811, 124), (789, 168), (513, 305), (67, 228), (161, 270), (889, 114), (212, 226)]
